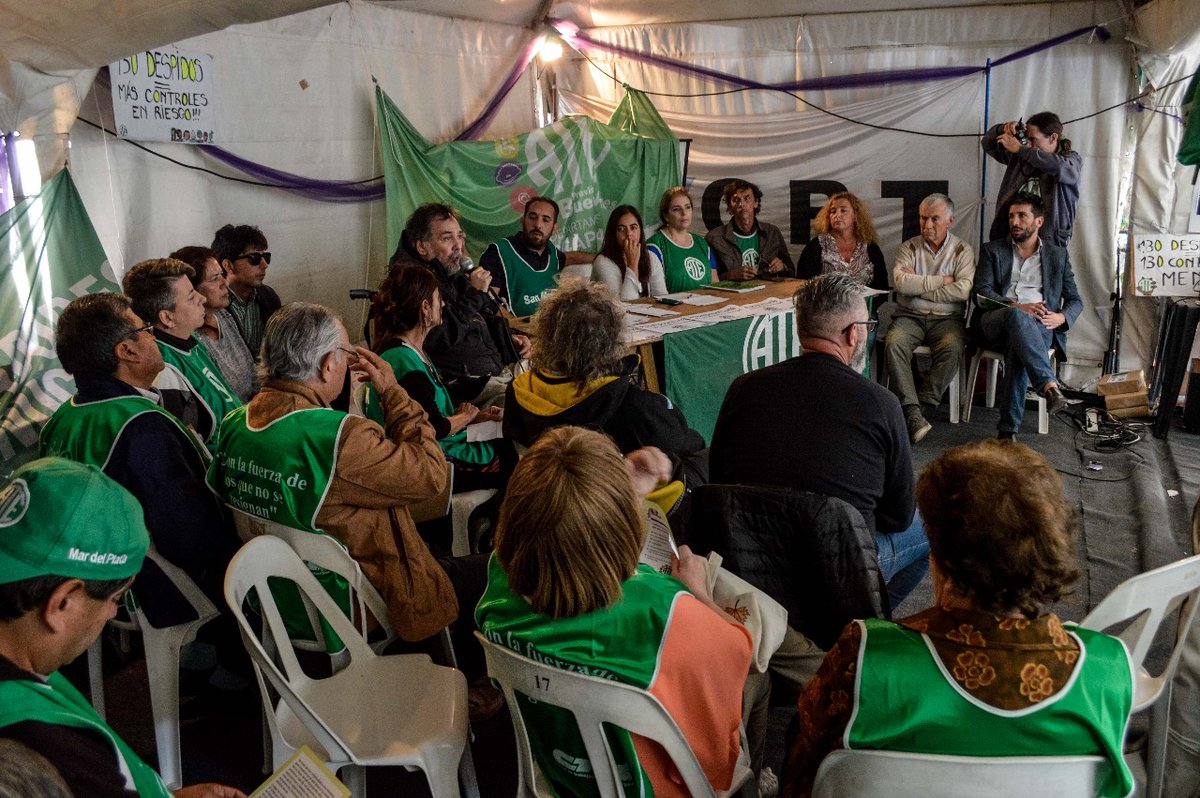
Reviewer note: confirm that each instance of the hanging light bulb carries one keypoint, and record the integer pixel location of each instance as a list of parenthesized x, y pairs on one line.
[(551, 50)]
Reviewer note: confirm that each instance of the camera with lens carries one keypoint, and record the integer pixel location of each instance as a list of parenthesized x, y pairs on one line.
[(1022, 136)]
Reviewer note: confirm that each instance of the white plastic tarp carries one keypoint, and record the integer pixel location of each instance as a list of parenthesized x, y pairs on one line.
[(775, 140)]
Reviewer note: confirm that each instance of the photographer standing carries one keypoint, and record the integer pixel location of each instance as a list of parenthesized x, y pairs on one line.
[(1040, 162)]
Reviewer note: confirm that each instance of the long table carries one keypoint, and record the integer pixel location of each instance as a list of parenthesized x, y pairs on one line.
[(699, 363)]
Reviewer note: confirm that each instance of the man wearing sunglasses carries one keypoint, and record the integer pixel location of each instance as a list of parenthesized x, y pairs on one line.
[(242, 251), (814, 423)]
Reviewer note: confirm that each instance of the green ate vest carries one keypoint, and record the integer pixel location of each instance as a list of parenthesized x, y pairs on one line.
[(905, 700), (685, 268), (403, 360), (282, 472), (527, 285), (749, 247), (621, 643), (56, 702), (86, 433), (205, 377)]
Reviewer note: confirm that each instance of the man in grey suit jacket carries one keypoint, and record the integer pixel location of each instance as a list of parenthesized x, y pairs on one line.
[(1026, 292)]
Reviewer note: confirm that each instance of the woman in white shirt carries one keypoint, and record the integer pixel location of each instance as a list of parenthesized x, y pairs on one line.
[(625, 264)]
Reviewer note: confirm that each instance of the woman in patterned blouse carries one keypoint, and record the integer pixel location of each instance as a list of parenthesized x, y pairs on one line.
[(845, 242)]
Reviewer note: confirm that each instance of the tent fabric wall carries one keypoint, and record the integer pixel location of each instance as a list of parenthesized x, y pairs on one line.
[(774, 139), (440, 70)]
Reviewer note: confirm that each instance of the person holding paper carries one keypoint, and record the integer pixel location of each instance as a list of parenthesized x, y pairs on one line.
[(1026, 290), (687, 260), (406, 307), (573, 501), (71, 542)]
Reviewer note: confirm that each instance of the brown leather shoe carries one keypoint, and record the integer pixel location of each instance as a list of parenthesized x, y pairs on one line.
[(1056, 401)]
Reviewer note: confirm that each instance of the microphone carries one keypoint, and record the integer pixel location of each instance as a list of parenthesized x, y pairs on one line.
[(465, 263)]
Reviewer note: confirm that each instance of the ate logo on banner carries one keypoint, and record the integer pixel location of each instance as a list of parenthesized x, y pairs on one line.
[(770, 340)]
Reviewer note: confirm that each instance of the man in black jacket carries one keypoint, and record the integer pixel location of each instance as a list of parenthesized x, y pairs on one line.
[(814, 423), (472, 345), (242, 251)]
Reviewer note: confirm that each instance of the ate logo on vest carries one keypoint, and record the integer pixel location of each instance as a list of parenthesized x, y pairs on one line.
[(694, 267), (750, 257), (14, 501), (770, 340)]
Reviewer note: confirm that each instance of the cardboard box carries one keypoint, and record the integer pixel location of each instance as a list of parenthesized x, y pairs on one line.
[(1137, 411), (1116, 401), (1125, 382)]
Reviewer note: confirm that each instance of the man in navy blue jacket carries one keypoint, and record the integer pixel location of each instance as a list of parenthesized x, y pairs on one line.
[(1026, 292)]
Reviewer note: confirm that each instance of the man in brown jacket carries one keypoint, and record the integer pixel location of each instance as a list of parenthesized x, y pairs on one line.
[(289, 457)]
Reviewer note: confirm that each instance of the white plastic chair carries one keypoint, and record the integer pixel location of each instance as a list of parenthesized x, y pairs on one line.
[(896, 774), (162, 647), (1145, 601), (994, 360), (377, 711), (594, 703), (459, 506), (955, 387)]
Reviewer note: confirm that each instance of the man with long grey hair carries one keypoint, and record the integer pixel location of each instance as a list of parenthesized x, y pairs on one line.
[(289, 457), (814, 423)]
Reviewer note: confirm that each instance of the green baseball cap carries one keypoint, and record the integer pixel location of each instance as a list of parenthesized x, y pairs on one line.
[(62, 518)]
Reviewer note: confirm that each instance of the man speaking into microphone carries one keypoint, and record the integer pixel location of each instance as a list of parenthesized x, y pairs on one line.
[(473, 345)]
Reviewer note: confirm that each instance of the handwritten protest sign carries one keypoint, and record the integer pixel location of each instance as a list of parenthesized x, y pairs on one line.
[(1166, 265), (165, 95)]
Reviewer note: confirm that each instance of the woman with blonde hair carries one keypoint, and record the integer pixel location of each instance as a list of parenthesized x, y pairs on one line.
[(565, 587), (845, 242), (687, 260)]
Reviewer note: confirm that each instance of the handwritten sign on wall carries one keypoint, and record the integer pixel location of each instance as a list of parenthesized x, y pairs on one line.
[(165, 95), (1166, 265)]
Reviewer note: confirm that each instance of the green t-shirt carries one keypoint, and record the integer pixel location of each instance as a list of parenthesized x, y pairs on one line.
[(748, 246), (685, 268), (405, 360), (526, 284)]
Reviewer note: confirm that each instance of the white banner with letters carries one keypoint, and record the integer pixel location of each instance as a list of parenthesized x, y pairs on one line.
[(1166, 265), (165, 94)]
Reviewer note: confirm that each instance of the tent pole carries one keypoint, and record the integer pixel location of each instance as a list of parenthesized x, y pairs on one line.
[(987, 102)]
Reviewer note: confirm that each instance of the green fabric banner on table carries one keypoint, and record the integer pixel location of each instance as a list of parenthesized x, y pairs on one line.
[(700, 364), (52, 255), (588, 167)]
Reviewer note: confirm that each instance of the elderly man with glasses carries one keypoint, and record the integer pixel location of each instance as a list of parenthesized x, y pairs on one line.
[(814, 423), (116, 422), (242, 252)]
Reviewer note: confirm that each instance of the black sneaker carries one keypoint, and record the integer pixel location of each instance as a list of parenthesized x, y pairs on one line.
[(918, 427), (1006, 436)]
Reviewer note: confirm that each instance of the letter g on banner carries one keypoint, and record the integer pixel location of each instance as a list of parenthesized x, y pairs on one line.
[(769, 340)]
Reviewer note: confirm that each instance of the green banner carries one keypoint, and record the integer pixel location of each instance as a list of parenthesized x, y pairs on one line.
[(1189, 144), (700, 364), (588, 167), (52, 255)]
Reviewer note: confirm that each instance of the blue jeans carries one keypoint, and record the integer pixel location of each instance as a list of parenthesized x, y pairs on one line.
[(903, 559), (1024, 342)]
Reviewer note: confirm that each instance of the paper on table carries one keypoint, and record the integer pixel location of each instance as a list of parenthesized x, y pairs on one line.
[(648, 310), (302, 776), (659, 548), (699, 300)]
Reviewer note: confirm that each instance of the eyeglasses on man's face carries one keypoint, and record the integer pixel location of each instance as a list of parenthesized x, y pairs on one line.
[(136, 331), (256, 258), (869, 324)]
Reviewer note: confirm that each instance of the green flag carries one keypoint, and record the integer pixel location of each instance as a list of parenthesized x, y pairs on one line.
[(52, 255), (637, 115), (588, 167)]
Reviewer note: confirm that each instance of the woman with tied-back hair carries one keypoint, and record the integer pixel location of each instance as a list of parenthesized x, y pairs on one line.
[(845, 242), (624, 264), (1040, 162), (688, 261)]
